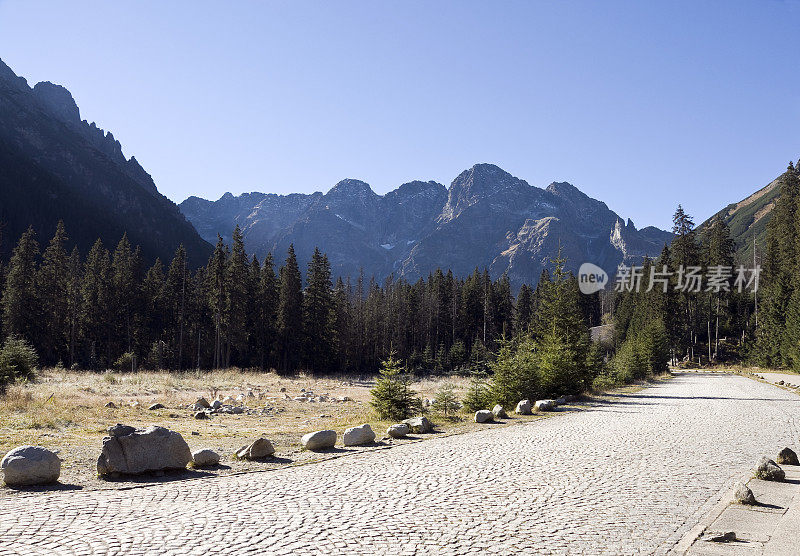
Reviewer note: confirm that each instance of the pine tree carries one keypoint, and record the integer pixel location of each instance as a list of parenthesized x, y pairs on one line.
[(126, 293), (319, 315), (97, 296), (290, 313), (523, 310), (177, 288), (52, 284), (21, 307), (237, 291), (218, 296), (392, 396)]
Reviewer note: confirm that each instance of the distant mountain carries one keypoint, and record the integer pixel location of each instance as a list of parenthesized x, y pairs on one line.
[(486, 218), (748, 219), (54, 166)]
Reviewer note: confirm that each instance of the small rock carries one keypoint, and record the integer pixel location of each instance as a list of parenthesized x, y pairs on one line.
[(201, 403), (155, 406), (201, 415), (227, 400), (399, 430), (419, 425), (780, 382), (544, 405), (120, 430), (524, 407), (30, 465), (261, 448), (787, 456), (484, 416), (135, 405), (283, 389), (730, 536), (743, 495), (195, 433), (237, 409), (205, 458), (358, 436), (319, 440), (560, 401), (216, 404), (111, 405), (499, 412), (768, 470)]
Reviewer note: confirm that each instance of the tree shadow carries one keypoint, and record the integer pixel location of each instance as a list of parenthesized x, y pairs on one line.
[(159, 477)]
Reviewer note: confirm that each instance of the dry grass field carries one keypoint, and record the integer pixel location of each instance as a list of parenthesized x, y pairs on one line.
[(65, 411)]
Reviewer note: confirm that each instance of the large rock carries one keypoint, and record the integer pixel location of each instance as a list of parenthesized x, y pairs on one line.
[(30, 465), (319, 440), (768, 470), (545, 405), (132, 451), (261, 448), (743, 495), (524, 407), (201, 404), (484, 416), (400, 430), (419, 425), (499, 412), (358, 436), (205, 458), (787, 456)]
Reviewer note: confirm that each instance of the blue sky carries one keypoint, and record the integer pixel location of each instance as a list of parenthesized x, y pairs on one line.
[(643, 105)]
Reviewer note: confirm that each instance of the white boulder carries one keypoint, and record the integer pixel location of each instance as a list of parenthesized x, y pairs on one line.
[(399, 430), (205, 458), (133, 451), (30, 465), (358, 436), (319, 440), (484, 416), (524, 407)]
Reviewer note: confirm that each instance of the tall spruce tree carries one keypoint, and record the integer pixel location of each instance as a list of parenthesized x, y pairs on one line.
[(52, 284), (290, 313), (319, 315), (21, 307)]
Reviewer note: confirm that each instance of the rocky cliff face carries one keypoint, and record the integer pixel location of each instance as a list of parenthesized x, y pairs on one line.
[(487, 218), (55, 166)]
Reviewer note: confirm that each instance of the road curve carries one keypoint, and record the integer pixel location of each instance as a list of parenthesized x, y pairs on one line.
[(627, 477)]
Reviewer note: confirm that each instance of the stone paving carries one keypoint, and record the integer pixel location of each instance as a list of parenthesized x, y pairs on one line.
[(627, 477)]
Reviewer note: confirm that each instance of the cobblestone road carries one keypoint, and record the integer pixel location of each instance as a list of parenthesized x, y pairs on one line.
[(626, 477)]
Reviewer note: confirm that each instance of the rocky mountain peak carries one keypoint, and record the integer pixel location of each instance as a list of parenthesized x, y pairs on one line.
[(478, 183), (58, 100), (7, 75), (351, 188)]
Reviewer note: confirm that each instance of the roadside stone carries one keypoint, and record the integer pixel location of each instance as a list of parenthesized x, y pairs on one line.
[(499, 412), (261, 448), (768, 470), (419, 425), (205, 458), (787, 456), (201, 403), (319, 440), (111, 405), (156, 406), (30, 465), (544, 405), (201, 415), (484, 416), (358, 436), (216, 404), (399, 430), (524, 408), (743, 495), (141, 451)]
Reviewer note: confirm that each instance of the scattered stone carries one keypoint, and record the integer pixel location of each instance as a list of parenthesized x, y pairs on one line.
[(780, 382), (216, 404), (261, 448), (156, 406), (135, 405), (787, 456), (419, 425), (358, 436), (324, 416), (743, 495), (140, 451), (399, 430), (205, 458), (201, 415), (283, 390), (240, 398), (237, 410), (227, 400), (302, 389), (201, 403), (544, 405), (319, 440), (730, 536), (484, 416), (524, 407), (499, 412), (30, 465), (111, 405), (768, 470)]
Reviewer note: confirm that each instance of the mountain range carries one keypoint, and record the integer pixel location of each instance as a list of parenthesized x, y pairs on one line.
[(55, 166), (485, 218)]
